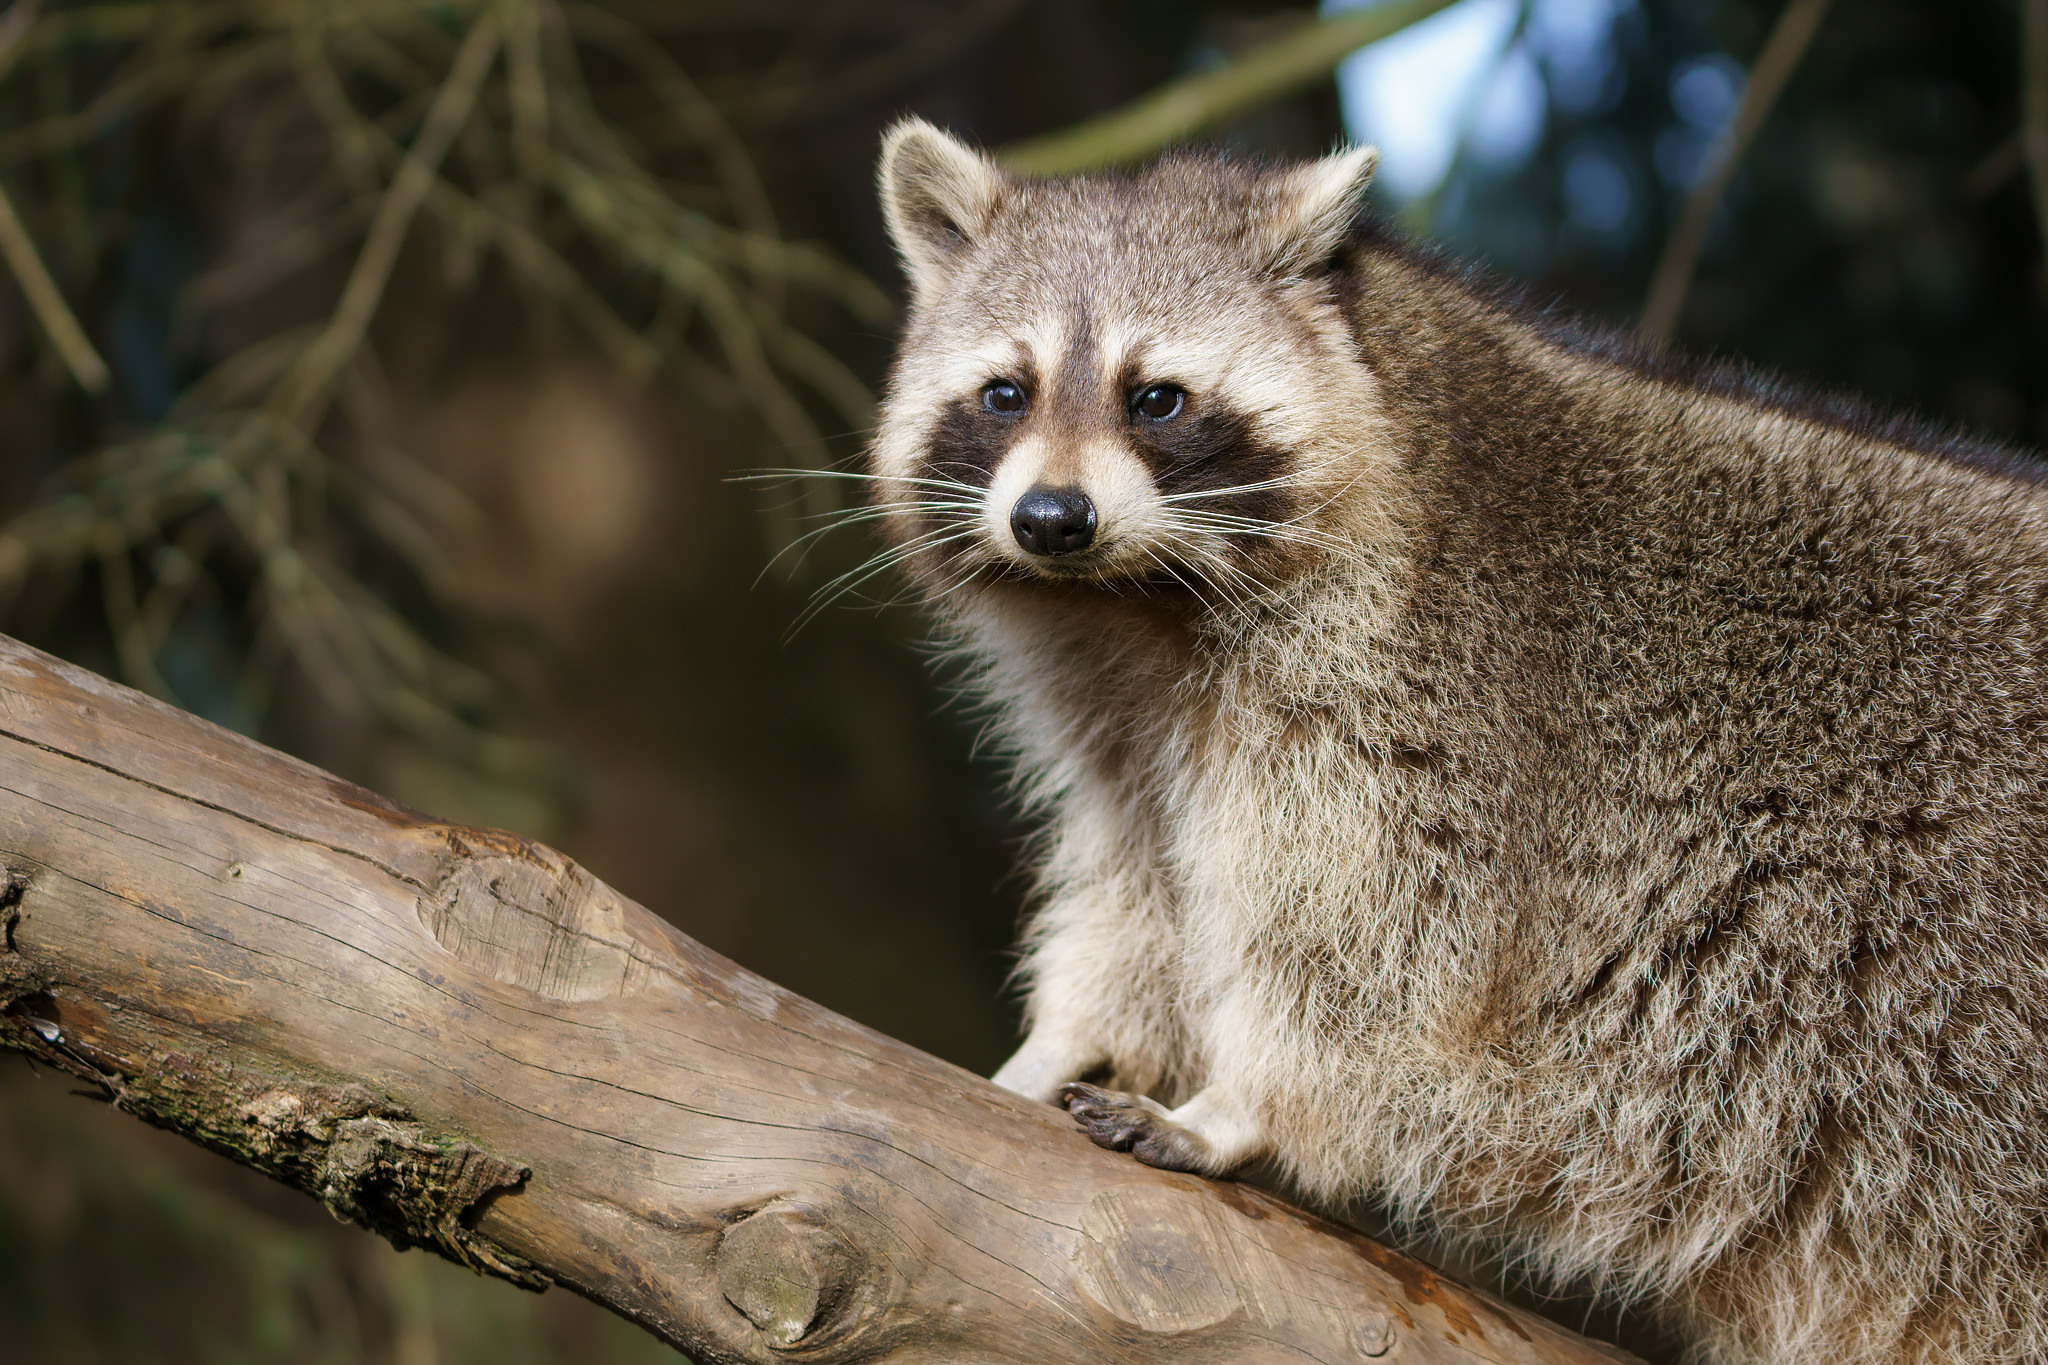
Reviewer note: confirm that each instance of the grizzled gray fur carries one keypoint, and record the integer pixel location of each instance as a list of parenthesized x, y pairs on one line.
[(1597, 808)]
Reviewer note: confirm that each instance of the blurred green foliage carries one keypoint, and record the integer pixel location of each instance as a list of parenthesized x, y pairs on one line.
[(247, 455)]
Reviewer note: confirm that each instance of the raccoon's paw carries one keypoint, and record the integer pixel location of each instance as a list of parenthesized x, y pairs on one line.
[(1134, 1124)]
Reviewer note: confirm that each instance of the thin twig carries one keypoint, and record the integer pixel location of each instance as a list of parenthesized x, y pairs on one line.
[(14, 26), (526, 92), (1788, 42), (19, 249), (1267, 72), (1422, 213), (1997, 166), (530, 256), (291, 249), (46, 301), (2034, 130), (305, 391)]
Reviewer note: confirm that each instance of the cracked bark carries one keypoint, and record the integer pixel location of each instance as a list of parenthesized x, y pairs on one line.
[(464, 1041)]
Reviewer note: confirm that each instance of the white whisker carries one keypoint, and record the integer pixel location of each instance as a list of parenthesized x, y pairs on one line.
[(1263, 486), (855, 516), (1265, 530), (855, 578), (772, 475)]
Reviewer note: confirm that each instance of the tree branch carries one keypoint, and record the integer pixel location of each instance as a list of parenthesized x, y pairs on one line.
[(18, 249), (466, 1042), (303, 392), (1788, 42), (1185, 107)]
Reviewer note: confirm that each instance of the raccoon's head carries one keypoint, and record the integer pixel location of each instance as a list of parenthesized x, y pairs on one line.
[(1138, 381)]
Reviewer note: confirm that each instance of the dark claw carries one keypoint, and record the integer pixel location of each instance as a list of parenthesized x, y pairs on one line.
[(1125, 1123), (1109, 1119)]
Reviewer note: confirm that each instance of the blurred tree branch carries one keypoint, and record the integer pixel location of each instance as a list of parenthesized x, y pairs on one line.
[(2034, 103), (18, 249), (1176, 111), (46, 301), (302, 395), (1789, 39), (808, 89), (1996, 167), (520, 160)]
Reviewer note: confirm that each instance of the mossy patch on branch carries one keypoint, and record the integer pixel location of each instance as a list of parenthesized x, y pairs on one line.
[(362, 1155)]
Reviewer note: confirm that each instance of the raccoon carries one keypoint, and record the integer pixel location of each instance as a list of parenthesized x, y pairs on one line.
[(1590, 806)]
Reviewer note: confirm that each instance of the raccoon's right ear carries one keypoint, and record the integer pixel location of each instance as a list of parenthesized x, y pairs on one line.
[(937, 193)]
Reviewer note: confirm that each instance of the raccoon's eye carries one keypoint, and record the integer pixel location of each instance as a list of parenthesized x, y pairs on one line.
[(1160, 402), (1002, 396)]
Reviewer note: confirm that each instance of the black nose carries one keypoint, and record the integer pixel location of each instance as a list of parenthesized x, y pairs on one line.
[(1053, 521)]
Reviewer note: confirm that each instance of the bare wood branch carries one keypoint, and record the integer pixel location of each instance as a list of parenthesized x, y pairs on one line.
[(1185, 107), (1796, 25), (464, 1041)]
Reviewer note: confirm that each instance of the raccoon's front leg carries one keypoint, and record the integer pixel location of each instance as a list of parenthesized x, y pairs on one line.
[(1101, 963), (1047, 1061), (1212, 1134)]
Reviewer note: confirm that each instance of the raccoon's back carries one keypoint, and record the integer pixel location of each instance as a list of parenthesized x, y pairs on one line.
[(1738, 724)]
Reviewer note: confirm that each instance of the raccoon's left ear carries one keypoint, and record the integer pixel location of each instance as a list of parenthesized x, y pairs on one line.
[(937, 194), (1305, 212)]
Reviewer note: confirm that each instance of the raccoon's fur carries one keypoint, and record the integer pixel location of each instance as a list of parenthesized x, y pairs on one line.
[(1599, 811)]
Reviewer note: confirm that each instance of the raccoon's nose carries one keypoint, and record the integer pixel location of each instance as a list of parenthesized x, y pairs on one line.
[(1053, 521)]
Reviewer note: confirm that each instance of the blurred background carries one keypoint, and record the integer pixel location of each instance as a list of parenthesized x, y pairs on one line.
[(374, 377)]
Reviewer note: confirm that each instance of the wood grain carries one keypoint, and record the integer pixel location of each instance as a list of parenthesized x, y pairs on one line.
[(464, 1041)]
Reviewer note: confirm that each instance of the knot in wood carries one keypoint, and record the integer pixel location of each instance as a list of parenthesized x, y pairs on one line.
[(527, 916), (786, 1271), (1375, 1336), (1156, 1259)]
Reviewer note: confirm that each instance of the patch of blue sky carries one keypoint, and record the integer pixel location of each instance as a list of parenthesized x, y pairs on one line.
[(1482, 75)]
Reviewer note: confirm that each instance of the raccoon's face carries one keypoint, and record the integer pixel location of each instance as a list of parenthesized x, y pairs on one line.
[(1135, 382)]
